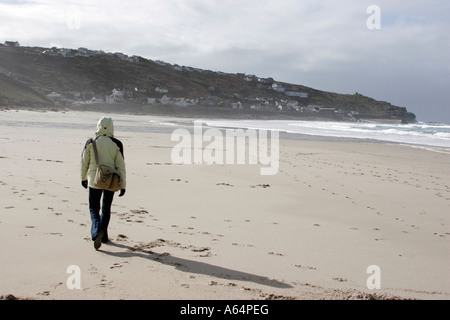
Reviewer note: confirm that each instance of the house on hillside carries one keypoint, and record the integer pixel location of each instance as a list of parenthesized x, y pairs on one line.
[(161, 90), (183, 102), (13, 44), (278, 87), (312, 108), (140, 90), (55, 96), (296, 94), (117, 96), (82, 52), (133, 59), (165, 100), (96, 100), (161, 63), (50, 52), (292, 105), (66, 53), (180, 102), (266, 80), (237, 105), (151, 101)]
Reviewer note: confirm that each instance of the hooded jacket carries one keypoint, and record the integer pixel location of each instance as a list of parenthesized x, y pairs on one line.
[(110, 152)]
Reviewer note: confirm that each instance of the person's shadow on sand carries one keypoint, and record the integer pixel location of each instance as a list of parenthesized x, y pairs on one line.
[(191, 266)]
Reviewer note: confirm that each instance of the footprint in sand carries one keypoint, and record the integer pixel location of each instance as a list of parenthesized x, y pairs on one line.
[(339, 279), (118, 265), (121, 237), (204, 252), (264, 186), (103, 283), (276, 254), (139, 211), (243, 245), (304, 267)]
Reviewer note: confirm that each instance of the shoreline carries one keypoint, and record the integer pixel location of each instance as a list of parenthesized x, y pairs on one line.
[(203, 112), (187, 122), (222, 231)]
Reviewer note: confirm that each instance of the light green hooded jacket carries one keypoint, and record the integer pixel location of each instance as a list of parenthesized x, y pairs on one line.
[(110, 153)]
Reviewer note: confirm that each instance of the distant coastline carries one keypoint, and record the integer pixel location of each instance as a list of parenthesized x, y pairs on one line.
[(203, 112), (83, 79)]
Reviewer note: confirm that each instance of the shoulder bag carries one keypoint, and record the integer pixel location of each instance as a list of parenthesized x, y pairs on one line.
[(106, 178)]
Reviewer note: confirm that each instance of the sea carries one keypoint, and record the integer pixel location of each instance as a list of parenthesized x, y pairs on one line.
[(430, 135), (433, 135)]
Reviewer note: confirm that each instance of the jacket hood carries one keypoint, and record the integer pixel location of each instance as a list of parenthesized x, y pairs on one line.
[(105, 127)]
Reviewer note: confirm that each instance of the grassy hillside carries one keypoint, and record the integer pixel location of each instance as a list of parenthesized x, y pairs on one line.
[(28, 75), (16, 93)]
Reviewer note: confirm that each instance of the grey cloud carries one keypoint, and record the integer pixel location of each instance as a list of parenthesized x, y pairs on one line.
[(323, 44)]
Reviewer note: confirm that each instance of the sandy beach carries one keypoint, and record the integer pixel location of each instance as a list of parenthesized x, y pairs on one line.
[(207, 232)]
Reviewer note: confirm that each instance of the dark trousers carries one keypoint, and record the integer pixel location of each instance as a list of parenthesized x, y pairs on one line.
[(100, 222)]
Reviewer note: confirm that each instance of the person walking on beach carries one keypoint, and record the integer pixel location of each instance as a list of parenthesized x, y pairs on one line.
[(110, 152)]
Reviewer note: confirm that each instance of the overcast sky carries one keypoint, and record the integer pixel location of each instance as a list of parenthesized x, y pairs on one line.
[(331, 45)]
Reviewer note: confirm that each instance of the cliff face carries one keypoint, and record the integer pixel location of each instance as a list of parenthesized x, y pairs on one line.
[(36, 77)]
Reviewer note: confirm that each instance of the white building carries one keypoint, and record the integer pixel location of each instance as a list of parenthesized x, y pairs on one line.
[(55, 96), (117, 96), (50, 53), (293, 105), (13, 44), (278, 87), (165, 100), (96, 100)]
